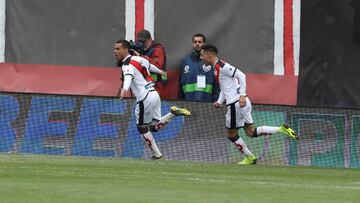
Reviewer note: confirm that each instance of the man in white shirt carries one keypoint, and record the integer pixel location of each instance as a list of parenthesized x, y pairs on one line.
[(233, 90), (136, 75)]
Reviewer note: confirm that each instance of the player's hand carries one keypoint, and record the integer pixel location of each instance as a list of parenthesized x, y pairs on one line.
[(135, 52), (217, 105), (242, 101), (122, 93)]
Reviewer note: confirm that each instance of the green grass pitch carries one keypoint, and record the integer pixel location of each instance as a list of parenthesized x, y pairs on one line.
[(33, 178)]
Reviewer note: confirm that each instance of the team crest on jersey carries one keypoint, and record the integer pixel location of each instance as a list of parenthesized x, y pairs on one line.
[(206, 68), (186, 69)]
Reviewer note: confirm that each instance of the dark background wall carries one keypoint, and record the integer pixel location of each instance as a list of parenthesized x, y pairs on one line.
[(66, 32), (243, 30), (329, 54), (82, 32)]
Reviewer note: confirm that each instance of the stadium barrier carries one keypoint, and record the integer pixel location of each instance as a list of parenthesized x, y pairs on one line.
[(99, 126)]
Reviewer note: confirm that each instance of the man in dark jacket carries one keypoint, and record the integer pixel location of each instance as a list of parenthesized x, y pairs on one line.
[(197, 81)]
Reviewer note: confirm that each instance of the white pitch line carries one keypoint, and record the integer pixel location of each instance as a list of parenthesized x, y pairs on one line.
[(278, 184), (174, 176)]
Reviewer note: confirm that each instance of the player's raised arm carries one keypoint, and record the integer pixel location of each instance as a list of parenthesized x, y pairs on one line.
[(154, 69)]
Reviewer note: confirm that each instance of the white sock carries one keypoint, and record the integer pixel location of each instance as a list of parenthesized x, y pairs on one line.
[(150, 141), (267, 130), (167, 118), (164, 120), (240, 144)]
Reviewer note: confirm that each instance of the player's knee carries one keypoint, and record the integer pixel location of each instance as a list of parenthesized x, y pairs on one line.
[(143, 128), (153, 126), (232, 133), (233, 138), (250, 131)]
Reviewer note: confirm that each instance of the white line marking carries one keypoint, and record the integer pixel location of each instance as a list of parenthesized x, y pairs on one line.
[(279, 37), (149, 21), (2, 30), (296, 33), (130, 19)]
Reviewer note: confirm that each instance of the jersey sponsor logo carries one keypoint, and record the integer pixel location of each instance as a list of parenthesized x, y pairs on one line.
[(150, 85)]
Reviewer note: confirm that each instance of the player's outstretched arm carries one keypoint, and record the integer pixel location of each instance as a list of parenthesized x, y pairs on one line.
[(154, 69)]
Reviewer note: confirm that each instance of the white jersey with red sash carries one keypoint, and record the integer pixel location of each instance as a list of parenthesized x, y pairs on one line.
[(138, 68), (231, 80)]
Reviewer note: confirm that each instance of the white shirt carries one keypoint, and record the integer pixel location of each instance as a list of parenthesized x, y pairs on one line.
[(140, 82), (232, 82)]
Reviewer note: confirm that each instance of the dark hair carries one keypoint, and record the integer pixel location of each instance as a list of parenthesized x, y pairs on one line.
[(143, 35), (199, 35), (209, 48), (124, 43)]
